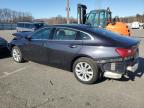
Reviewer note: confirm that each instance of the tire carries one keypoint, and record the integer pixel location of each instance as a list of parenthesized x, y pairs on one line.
[(17, 55), (86, 70)]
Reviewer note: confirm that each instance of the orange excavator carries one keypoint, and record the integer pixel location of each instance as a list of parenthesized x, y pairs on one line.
[(102, 18)]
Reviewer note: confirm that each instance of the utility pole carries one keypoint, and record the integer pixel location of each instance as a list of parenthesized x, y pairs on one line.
[(67, 10)]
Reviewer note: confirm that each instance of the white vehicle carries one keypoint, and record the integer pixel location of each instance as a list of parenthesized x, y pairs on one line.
[(28, 26), (135, 25)]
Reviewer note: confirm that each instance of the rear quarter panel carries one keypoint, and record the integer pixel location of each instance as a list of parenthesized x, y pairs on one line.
[(98, 52)]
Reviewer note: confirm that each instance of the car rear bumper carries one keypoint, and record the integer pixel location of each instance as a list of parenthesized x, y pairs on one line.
[(116, 75), (117, 69)]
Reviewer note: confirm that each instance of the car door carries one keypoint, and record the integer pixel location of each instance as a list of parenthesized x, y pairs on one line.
[(34, 49), (63, 47)]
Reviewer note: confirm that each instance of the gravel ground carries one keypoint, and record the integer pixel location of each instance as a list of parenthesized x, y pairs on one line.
[(31, 85)]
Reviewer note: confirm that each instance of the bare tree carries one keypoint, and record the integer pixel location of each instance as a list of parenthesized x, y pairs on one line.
[(130, 19), (57, 20), (10, 16)]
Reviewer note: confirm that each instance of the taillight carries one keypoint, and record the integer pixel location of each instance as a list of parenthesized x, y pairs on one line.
[(125, 52)]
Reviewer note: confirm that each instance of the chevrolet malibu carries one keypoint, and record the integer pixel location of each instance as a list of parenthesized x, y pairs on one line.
[(88, 52)]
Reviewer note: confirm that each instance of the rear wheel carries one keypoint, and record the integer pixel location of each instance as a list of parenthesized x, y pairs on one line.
[(17, 55), (86, 70)]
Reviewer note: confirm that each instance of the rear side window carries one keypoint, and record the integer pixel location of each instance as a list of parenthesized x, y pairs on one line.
[(65, 34), (42, 34), (84, 36)]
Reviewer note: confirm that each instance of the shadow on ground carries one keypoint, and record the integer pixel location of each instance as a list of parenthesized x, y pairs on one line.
[(139, 73)]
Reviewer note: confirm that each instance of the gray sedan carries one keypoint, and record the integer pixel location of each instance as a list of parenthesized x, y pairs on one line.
[(88, 52)]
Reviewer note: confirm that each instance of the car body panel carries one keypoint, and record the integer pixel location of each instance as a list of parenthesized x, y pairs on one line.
[(34, 51), (62, 52)]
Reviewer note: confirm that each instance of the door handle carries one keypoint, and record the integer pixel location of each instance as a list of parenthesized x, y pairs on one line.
[(73, 46)]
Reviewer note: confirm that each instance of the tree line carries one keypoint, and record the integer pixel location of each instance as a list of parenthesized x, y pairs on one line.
[(11, 16), (57, 20), (130, 19), (61, 20)]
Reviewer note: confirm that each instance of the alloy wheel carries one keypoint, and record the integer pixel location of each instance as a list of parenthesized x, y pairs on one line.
[(16, 55), (84, 71)]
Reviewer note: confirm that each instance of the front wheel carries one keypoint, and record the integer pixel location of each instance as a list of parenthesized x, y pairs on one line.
[(86, 70), (17, 55)]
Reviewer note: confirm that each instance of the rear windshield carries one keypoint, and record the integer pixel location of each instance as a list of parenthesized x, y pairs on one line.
[(107, 34), (102, 33)]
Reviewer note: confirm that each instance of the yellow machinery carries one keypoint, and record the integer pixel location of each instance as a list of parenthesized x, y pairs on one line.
[(102, 18)]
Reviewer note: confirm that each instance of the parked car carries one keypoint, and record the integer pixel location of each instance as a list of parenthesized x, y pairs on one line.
[(3, 46), (28, 26), (88, 52)]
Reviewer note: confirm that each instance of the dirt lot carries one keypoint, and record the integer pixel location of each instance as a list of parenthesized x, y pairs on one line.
[(31, 85)]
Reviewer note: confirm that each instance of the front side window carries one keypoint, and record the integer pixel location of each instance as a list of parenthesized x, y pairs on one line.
[(42, 34), (65, 34)]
